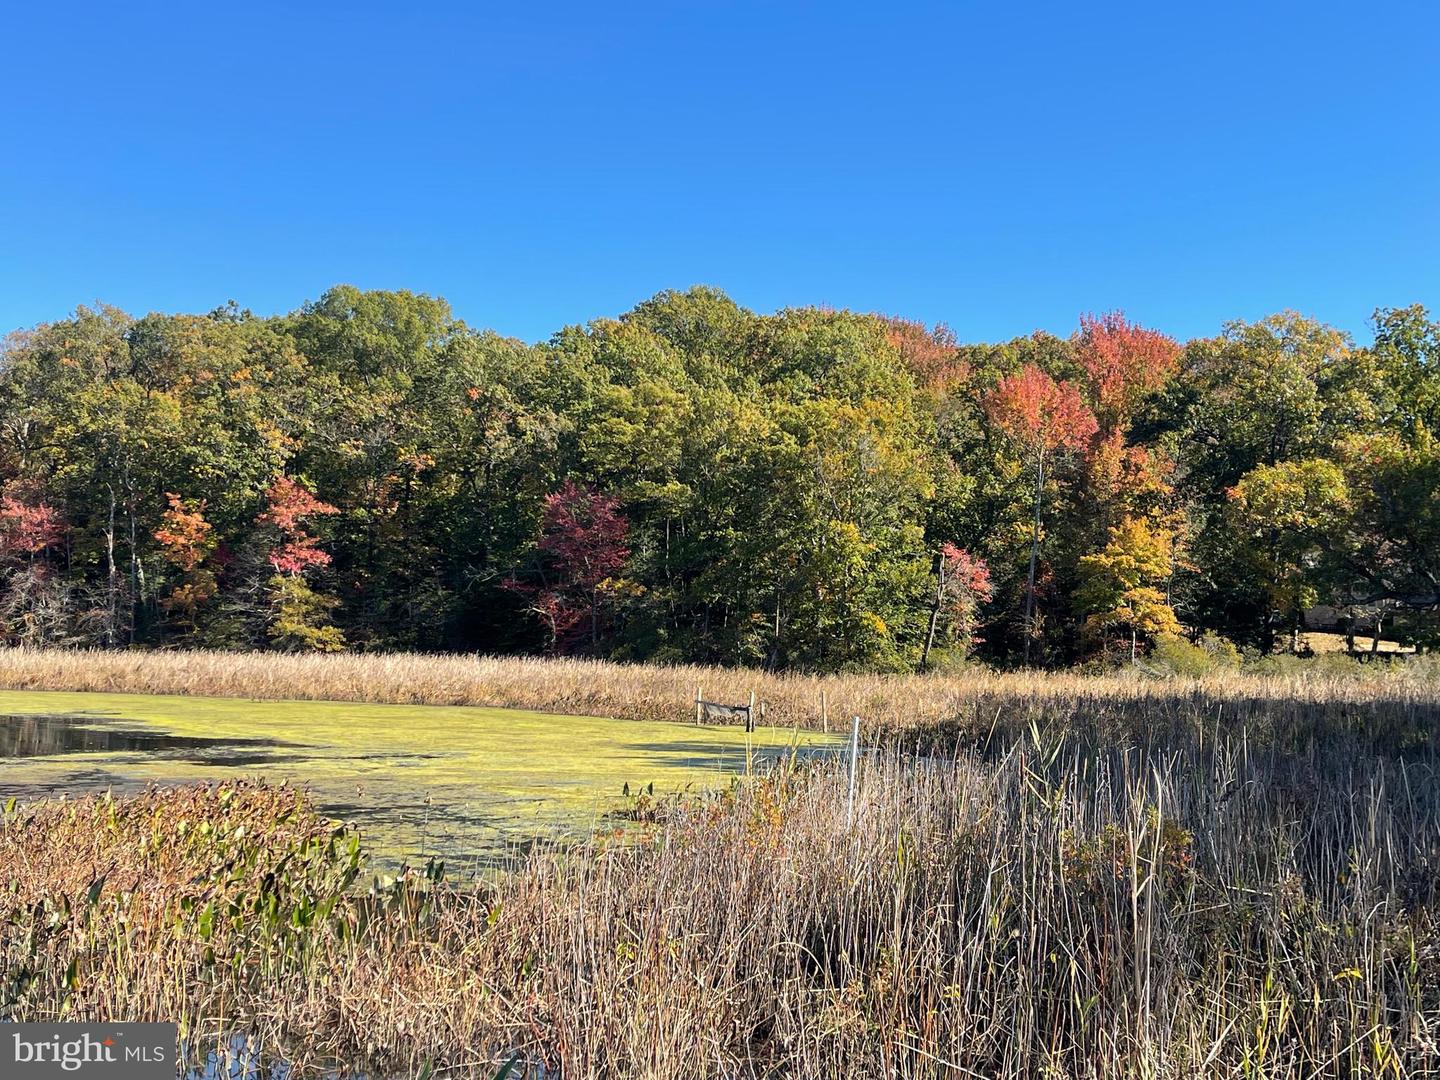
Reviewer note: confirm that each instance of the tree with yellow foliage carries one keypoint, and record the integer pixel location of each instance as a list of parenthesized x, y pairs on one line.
[(1120, 585)]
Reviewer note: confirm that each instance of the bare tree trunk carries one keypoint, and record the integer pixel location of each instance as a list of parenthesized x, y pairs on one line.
[(112, 576), (773, 661), (137, 569), (934, 613), (1272, 613), (1034, 558)]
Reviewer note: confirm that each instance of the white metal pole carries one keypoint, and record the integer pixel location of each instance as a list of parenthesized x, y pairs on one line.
[(854, 760)]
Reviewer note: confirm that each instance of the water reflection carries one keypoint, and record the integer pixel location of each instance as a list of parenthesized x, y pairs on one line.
[(45, 736), (241, 1059)]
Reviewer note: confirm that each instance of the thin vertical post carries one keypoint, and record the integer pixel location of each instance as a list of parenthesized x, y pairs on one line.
[(750, 713), (854, 761), (698, 706)]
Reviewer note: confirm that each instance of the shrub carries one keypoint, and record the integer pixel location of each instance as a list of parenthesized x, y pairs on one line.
[(301, 617), (1328, 666), (1207, 656)]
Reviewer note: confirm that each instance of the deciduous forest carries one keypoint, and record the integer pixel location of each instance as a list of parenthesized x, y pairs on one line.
[(810, 490)]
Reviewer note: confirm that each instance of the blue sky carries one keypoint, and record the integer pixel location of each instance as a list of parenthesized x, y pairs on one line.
[(1001, 167)]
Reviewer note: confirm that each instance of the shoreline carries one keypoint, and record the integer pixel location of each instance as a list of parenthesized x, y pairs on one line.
[(575, 687)]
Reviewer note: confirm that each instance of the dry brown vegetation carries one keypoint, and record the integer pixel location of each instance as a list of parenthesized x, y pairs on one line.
[(1050, 898), (1045, 876), (648, 692)]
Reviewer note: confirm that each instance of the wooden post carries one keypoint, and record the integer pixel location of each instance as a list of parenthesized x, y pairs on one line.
[(699, 708), (824, 714), (750, 713), (854, 761)]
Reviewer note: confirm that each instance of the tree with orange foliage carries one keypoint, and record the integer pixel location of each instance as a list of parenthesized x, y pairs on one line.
[(1127, 480), (1124, 362), (187, 540), (184, 534), (1045, 417), (932, 356)]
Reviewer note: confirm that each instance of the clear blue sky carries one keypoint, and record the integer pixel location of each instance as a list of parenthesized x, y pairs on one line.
[(997, 166)]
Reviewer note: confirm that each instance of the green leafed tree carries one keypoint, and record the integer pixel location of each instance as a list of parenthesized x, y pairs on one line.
[(1283, 512)]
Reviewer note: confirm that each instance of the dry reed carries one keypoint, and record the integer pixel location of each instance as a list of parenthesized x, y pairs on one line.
[(1048, 905), (649, 692), (1047, 876)]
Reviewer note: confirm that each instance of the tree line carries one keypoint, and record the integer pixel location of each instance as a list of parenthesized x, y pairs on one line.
[(813, 489)]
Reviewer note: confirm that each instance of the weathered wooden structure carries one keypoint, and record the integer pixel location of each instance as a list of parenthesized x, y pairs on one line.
[(717, 712)]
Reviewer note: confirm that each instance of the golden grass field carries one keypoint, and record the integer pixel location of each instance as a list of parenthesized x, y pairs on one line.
[(645, 692), (1319, 642)]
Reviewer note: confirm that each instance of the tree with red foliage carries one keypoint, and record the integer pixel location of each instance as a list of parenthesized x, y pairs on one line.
[(963, 584), (299, 617), (1041, 413), (583, 544), (1045, 417), (1123, 361), (32, 602), (27, 528), (288, 503), (932, 356)]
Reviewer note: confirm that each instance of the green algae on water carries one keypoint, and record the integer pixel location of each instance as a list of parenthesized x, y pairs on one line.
[(460, 782)]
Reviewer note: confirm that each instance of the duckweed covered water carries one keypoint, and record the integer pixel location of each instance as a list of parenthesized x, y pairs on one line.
[(460, 782)]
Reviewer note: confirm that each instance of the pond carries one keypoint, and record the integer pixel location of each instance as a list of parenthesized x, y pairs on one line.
[(461, 782)]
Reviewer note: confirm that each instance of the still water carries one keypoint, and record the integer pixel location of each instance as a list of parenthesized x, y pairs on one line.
[(460, 782)]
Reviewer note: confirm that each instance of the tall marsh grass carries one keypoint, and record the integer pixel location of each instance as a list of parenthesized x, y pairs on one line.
[(649, 692), (1040, 904), (1045, 876)]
